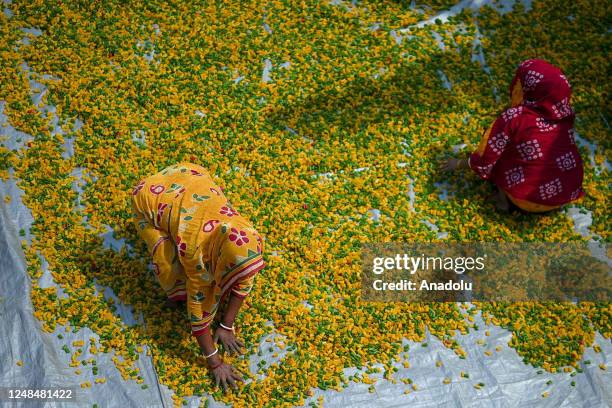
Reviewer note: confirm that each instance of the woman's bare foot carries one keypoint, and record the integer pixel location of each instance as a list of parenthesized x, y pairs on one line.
[(173, 304), (501, 201)]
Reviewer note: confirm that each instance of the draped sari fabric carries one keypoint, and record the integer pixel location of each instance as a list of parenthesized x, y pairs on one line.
[(530, 151), (202, 248)]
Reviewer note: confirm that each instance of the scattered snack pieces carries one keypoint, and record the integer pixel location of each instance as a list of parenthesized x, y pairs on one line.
[(282, 118)]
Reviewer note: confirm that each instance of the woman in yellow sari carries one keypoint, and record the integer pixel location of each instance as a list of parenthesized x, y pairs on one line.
[(204, 253)]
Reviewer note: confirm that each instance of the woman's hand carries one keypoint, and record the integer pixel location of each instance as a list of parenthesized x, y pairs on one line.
[(453, 164), (229, 341), (226, 375)]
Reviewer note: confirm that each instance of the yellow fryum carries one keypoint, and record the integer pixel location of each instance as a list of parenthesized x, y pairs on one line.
[(286, 222)]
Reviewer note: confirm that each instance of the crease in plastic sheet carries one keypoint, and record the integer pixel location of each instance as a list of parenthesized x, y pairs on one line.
[(45, 364), (508, 382)]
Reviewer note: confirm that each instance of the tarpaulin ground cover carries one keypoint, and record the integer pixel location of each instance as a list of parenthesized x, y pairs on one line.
[(330, 139)]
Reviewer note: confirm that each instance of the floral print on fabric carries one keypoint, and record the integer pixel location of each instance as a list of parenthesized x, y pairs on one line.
[(530, 150), (195, 260)]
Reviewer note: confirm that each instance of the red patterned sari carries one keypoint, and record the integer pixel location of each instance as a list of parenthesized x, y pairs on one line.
[(530, 151)]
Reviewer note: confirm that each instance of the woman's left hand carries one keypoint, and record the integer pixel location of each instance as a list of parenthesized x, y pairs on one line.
[(229, 340)]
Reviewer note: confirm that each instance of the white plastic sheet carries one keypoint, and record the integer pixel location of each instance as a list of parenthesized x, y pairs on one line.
[(508, 381)]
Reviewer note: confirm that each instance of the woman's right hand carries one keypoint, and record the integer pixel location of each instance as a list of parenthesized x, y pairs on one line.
[(451, 164), (226, 375)]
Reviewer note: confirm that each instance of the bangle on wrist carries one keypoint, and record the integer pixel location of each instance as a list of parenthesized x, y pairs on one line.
[(225, 327), (212, 354)]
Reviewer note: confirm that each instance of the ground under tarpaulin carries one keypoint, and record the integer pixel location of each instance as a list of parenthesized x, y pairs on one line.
[(508, 381)]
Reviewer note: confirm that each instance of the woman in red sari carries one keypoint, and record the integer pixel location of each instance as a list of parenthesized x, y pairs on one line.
[(530, 152)]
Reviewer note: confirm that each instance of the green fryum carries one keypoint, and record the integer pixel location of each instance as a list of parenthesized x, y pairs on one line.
[(352, 132)]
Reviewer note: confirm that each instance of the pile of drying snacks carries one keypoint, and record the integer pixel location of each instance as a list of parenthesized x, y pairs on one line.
[(310, 114)]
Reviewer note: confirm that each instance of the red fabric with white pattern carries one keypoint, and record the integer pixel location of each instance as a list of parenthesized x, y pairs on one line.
[(531, 152)]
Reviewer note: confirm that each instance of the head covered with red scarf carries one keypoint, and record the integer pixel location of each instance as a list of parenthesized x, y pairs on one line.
[(540, 86)]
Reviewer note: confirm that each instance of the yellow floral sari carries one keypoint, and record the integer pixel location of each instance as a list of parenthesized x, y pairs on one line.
[(202, 248)]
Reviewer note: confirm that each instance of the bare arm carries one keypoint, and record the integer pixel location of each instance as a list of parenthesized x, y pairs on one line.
[(225, 333), (205, 341), (234, 304)]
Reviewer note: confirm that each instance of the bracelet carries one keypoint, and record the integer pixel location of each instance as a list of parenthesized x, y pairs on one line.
[(212, 354), (225, 327)]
